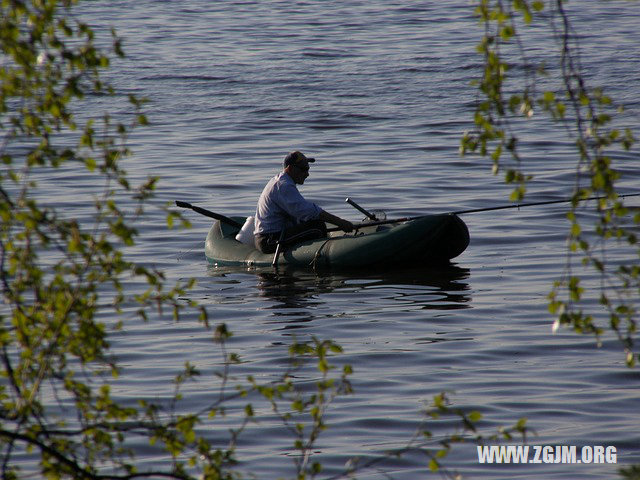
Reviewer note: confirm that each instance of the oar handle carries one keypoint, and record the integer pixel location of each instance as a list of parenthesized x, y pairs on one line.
[(209, 213), (362, 210)]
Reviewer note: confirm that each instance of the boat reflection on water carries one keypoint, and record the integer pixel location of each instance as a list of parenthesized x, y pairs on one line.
[(295, 296), (287, 285)]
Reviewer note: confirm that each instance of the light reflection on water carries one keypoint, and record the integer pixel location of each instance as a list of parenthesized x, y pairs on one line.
[(380, 94)]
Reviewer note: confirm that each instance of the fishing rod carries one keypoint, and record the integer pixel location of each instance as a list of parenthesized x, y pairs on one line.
[(476, 210), (532, 204)]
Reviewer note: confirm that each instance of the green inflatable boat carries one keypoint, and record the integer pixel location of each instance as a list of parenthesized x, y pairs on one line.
[(423, 241)]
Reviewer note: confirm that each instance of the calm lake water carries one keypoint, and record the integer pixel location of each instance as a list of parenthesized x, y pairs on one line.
[(379, 92)]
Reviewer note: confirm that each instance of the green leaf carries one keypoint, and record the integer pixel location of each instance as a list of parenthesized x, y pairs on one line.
[(475, 416)]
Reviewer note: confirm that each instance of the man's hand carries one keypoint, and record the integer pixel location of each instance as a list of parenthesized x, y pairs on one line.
[(341, 223), (345, 225)]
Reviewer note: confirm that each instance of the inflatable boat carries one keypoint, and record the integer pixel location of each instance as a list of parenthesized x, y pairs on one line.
[(421, 241)]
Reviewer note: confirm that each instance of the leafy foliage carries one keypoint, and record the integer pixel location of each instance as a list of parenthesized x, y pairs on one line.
[(54, 269), (509, 93)]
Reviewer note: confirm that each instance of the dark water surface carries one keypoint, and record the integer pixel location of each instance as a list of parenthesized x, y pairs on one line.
[(379, 93)]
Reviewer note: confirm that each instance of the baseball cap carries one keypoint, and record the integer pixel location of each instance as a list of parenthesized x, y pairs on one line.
[(295, 158)]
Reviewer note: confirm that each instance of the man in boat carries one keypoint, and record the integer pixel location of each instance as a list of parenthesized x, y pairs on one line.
[(281, 208)]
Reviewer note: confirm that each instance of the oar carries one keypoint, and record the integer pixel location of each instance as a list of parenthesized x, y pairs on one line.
[(362, 210), (208, 213)]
